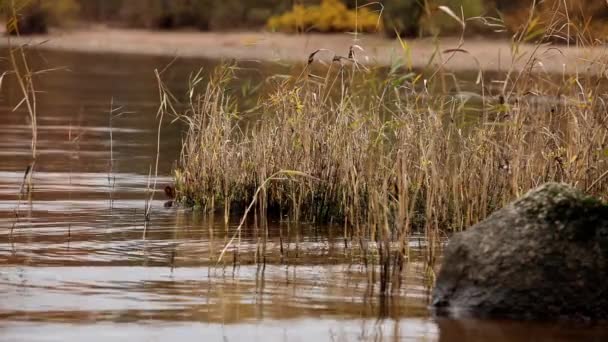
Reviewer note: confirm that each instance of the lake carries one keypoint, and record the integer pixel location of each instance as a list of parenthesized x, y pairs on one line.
[(79, 260)]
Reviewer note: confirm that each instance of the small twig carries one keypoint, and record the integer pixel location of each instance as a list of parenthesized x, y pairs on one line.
[(599, 179), (254, 200)]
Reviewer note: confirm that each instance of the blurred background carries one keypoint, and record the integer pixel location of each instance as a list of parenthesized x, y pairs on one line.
[(389, 17)]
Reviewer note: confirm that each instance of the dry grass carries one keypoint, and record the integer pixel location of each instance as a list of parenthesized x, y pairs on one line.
[(388, 152), (391, 154), (24, 75)]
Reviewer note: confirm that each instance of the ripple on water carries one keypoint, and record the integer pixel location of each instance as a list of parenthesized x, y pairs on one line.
[(75, 261)]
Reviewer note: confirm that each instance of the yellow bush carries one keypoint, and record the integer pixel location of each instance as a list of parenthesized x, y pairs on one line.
[(329, 16)]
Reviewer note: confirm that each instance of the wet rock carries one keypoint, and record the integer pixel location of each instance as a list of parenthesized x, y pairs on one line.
[(170, 193), (544, 256)]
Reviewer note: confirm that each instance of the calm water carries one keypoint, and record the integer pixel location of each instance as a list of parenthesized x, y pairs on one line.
[(77, 265)]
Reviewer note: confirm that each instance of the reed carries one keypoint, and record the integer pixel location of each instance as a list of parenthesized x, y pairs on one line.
[(24, 76), (390, 151), (20, 69)]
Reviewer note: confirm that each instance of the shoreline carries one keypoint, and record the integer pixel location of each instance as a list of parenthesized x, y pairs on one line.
[(487, 54)]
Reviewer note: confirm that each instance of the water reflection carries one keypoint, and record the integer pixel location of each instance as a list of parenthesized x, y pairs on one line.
[(285, 330), (63, 294), (75, 252), (502, 331)]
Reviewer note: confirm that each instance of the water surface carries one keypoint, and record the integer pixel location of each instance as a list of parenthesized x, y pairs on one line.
[(79, 259)]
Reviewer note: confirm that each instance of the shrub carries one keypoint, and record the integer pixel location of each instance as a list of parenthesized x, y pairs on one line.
[(420, 17), (238, 13), (34, 17), (556, 20), (201, 14), (163, 14), (329, 16), (402, 17), (436, 22), (61, 12), (100, 10)]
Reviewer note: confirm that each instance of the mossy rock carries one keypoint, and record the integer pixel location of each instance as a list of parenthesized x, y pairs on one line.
[(545, 256)]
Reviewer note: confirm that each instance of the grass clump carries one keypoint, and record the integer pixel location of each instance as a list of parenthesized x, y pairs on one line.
[(389, 151), (386, 150), (329, 16)]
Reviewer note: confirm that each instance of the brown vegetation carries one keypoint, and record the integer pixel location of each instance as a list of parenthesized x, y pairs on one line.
[(389, 152), (405, 17)]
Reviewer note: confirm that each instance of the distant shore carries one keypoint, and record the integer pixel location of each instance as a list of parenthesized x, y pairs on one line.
[(489, 54)]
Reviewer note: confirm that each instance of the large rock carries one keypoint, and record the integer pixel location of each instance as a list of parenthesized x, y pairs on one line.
[(545, 256)]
